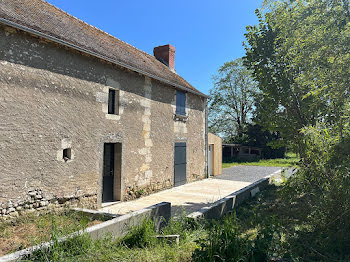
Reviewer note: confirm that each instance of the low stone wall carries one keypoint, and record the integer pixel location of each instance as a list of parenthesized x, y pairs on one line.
[(35, 201), (135, 191), (117, 227)]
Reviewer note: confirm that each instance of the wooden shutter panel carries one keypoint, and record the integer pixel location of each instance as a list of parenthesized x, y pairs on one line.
[(180, 103)]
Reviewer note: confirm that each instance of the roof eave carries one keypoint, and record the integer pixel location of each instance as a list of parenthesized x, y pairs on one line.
[(78, 48)]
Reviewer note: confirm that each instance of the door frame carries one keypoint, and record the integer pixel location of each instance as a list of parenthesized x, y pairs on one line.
[(211, 160), (118, 192), (175, 142), (109, 167)]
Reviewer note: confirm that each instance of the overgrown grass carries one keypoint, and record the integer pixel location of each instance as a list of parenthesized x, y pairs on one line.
[(223, 240), (29, 230), (140, 244), (267, 228), (290, 160)]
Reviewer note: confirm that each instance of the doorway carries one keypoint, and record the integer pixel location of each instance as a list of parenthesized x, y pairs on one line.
[(210, 160), (180, 164), (111, 186)]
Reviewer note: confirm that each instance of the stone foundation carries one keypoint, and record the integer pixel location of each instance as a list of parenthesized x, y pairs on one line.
[(135, 191), (35, 201)]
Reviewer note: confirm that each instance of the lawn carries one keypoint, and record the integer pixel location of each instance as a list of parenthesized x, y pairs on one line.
[(290, 160)]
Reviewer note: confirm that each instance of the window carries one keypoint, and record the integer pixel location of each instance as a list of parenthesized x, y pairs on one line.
[(113, 102), (180, 103), (67, 154)]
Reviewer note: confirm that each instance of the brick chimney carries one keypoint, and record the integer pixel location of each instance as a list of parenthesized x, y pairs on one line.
[(166, 55)]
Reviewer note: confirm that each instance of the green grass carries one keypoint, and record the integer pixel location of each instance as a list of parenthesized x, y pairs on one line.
[(290, 160), (269, 227), (31, 229), (139, 245)]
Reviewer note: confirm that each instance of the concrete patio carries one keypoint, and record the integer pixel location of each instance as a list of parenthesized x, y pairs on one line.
[(193, 196)]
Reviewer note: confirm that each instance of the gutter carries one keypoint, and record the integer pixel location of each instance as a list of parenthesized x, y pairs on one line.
[(206, 140), (86, 51)]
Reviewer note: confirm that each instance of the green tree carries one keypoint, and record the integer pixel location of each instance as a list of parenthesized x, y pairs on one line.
[(299, 55), (231, 103)]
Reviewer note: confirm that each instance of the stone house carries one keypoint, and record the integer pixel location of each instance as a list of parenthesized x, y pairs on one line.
[(87, 118)]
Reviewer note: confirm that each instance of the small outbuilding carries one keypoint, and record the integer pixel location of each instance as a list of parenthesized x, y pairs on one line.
[(214, 155), (241, 152)]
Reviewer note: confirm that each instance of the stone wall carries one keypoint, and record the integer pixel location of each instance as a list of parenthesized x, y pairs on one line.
[(52, 98), (35, 200)]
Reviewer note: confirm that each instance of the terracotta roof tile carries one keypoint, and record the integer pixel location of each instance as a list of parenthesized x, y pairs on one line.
[(48, 19)]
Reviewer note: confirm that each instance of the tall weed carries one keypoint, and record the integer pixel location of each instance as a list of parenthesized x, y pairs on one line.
[(61, 250), (226, 243), (141, 235)]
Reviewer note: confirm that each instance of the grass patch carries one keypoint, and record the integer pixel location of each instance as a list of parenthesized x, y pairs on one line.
[(266, 228), (138, 245), (269, 227), (32, 229), (290, 160)]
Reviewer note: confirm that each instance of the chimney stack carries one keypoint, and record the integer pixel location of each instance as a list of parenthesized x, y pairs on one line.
[(166, 55)]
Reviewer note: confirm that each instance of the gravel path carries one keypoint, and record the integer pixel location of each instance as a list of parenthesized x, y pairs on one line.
[(246, 173)]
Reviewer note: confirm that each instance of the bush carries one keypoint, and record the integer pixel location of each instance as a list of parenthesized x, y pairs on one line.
[(323, 177)]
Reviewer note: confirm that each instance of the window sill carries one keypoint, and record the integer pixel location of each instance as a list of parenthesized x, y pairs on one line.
[(182, 118), (112, 117)]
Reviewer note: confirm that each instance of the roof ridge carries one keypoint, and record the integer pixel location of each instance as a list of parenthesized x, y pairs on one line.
[(81, 21)]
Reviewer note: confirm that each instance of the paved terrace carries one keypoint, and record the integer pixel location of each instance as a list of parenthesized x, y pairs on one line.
[(193, 196)]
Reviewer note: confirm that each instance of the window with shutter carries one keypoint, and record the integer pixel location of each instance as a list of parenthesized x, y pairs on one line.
[(180, 103)]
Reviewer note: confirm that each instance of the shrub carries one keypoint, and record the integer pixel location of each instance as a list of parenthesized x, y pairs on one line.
[(323, 177)]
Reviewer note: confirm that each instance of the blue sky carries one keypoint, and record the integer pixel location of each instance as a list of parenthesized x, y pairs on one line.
[(205, 33)]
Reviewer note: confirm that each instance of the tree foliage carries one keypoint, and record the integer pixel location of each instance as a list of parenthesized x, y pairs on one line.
[(231, 103), (299, 55)]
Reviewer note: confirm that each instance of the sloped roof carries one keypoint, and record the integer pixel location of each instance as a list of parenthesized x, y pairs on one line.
[(49, 20)]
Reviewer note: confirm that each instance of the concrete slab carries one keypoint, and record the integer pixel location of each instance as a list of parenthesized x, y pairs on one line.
[(189, 197)]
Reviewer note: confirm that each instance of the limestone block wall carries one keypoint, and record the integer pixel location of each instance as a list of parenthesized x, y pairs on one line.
[(52, 98), (217, 153)]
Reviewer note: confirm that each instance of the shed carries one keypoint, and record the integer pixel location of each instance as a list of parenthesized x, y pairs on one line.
[(241, 152)]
